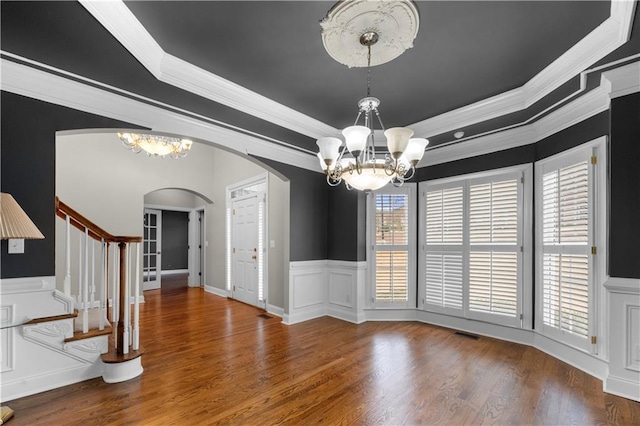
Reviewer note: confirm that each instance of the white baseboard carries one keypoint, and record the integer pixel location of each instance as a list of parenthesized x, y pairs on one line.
[(174, 272), (51, 380), (216, 290), (275, 310), (622, 387), (304, 314)]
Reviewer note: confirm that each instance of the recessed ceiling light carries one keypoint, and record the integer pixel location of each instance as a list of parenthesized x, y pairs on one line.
[(458, 134)]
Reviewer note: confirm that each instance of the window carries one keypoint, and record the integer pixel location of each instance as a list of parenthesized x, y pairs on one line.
[(443, 265), (473, 242), (566, 267), (393, 246)]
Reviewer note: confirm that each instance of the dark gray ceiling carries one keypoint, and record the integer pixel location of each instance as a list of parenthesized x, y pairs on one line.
[(465, 52)]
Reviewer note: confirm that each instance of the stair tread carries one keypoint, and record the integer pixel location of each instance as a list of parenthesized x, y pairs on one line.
[(51, 318), (79, 335), (112, 357)]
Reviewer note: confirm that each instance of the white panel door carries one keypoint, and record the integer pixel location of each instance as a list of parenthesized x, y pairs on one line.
[(245, 250), (151, 249)]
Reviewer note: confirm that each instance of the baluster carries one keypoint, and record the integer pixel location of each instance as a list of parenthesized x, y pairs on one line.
[(67, 275), (85, 292), (115, 298), (123, 336), (79, 290), (92, 297), (103, 284), (136, 302)]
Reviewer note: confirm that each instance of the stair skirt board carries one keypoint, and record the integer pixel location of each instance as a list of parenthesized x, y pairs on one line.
[(122, 371)]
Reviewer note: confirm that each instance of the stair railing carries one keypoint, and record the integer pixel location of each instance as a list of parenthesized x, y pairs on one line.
[(114, 270)]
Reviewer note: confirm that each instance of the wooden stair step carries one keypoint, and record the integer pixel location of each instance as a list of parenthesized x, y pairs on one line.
[(79, 335), (113, 357)]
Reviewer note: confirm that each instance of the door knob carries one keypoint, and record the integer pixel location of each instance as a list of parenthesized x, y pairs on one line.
[(254, 257)]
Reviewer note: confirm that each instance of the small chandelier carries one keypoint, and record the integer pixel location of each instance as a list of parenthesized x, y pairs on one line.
[(360, 168), (156, 145)]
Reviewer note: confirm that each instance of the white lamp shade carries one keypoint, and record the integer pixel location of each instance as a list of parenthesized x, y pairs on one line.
[(356, 138), (329, 149), (370, 177), (397, 140), (323, 165), (415, 150)]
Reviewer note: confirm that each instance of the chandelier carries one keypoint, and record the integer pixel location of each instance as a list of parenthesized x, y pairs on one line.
[(361, 168), (156, 145)]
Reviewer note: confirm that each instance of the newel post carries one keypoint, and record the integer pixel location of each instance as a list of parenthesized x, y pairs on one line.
[(121, 344)]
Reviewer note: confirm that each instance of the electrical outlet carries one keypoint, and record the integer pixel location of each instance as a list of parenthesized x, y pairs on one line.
[(16, 246)]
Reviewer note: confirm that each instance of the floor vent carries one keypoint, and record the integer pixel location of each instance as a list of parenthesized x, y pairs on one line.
[(265, 316), (467, 335)]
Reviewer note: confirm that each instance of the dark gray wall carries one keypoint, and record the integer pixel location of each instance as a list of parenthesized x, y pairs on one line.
[(624, 219), (308, 193), (347, 223), (28, 135), (175, 240)]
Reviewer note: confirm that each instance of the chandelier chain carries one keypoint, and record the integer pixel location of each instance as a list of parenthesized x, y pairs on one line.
[(368, 70)]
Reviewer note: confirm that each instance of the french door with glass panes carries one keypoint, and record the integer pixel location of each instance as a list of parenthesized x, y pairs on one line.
[(151, 249)]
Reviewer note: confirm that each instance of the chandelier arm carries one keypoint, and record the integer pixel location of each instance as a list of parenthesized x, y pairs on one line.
[(355, 123), (409, 174), (379, 119)]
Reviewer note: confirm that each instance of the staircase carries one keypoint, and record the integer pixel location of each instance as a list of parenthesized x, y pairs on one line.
[(88, 328)]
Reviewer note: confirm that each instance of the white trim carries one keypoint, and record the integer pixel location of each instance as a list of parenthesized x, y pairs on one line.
[(122, 371), (604, 39), (49, 380), (622, 81), (261, 197), (598, 309), (26, 284), (623, 285), (174, 272), (184, 75), (27, 81), (275, 310), (622, 387), (525, 243), (216, 290), (410, 190), (125, 27)]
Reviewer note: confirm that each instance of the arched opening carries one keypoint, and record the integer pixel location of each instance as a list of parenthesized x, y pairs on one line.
[(108, 184)]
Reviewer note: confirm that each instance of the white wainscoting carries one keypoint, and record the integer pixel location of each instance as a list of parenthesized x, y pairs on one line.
[(326, 287), (624, 338), (28, 366)]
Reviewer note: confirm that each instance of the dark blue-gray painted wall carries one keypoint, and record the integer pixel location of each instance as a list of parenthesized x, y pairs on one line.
[(28, 172), (175, 240)]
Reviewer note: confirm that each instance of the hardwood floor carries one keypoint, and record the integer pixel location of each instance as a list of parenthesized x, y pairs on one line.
[(224, 363)]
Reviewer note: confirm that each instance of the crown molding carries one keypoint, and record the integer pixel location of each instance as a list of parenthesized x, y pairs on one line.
[(622, 81), (38, 84), (592, 103), (125, 27), (604, 39)]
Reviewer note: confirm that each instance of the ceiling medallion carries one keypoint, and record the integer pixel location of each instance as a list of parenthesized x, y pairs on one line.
[(394, 22), (357, 162)]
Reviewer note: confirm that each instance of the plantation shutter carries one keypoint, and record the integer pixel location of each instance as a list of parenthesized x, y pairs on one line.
[(566, 248), (444, 227), (494, 248), (391, 247)]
